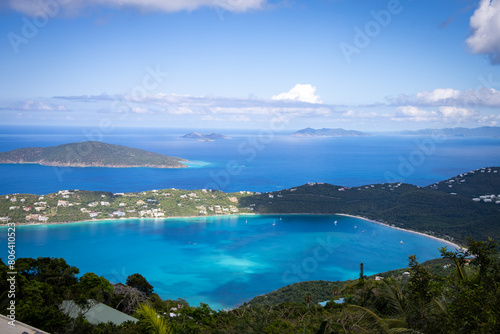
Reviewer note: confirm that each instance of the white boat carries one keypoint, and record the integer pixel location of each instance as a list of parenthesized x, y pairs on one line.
[(335, 222), (401, 242)]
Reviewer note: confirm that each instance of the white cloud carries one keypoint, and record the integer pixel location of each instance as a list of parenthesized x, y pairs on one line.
[(53, 8), (302, 93), (481, 97), (438, 95), (415, 114), (485, 26), (139, 110), (454, 112)]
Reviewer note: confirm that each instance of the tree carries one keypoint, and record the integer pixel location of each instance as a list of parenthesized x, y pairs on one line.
[(140, 283), (155, 322)]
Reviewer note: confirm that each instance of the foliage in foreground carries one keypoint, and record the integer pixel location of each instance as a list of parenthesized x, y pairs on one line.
[(466, 301)]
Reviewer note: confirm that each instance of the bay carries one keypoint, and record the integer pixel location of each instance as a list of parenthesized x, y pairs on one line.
[(225, 261)]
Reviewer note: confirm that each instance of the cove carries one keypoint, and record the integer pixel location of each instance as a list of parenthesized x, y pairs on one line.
[(225, 260)]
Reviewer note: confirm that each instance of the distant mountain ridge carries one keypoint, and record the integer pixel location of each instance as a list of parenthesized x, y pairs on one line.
[(90, 154), (484, 131), (212, 136), (326, 132)]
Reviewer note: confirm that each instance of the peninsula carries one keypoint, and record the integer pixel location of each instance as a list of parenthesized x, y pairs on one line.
[(465, 205), (90, 154)]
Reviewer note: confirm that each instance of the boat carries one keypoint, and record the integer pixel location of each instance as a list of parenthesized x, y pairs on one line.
[(274, 224), (335, 222), (401, 242)]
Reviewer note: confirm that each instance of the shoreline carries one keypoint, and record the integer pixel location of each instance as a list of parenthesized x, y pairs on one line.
[(450, 243)]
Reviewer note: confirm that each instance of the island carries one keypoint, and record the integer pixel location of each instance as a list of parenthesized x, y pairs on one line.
[(326, 132), (205, 137), (90, 154), (483, 131)]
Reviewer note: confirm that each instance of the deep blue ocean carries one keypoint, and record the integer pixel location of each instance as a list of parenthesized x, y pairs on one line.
[(224, 261), (248, 161)]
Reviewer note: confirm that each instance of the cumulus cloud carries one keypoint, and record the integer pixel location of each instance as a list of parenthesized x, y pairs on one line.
[(481, 97), (302, 93), (53, 8), (442, 114), (485, 26), (414, 114)]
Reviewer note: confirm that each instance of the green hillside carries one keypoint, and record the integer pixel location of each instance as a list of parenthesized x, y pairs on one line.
[(90, 154), (439, 210)]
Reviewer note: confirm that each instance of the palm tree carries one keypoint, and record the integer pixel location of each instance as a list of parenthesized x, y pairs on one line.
[(156, 323)]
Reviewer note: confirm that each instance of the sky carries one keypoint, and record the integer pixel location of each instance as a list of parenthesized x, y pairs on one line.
[(251, 64)]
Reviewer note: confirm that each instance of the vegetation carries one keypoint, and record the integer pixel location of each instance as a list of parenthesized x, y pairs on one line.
[(464, 300), (467, 205), (90, 154)]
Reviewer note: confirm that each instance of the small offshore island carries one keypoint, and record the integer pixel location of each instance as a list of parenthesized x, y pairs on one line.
[(90, 154)]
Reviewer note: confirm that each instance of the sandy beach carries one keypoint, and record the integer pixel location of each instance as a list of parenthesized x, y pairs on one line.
[(454, 245)]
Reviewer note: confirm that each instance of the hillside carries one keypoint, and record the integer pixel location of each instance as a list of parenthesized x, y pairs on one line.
[(454, 214), (325, 132), (463, 206), (90, 154)]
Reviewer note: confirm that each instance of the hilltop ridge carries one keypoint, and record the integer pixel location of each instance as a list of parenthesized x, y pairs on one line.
[(90, 154)]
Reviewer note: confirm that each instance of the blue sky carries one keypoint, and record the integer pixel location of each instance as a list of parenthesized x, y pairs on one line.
[(253, 64)]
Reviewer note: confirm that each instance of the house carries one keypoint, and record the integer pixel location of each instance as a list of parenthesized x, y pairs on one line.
[(95, 312), (43, 218), (93, 214), (140, 202), (93, 204), (118, 213), (27, 208), (233, 199), (32, 217), (105, 203)]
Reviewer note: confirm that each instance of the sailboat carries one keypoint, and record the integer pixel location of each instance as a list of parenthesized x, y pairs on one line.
[(401, 242)]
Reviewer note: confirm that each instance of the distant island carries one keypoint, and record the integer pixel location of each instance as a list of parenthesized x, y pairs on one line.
[(90, 154), (484, 131), (325, 132), (205, 137)]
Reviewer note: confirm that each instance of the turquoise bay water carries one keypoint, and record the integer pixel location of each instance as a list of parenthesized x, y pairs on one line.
[(225, 261)]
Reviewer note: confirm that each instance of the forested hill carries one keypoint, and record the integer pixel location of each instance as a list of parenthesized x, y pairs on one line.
[(458, 208), (90, 154)]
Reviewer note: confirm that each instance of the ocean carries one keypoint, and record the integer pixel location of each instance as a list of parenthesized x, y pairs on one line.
[(248, 161), (224, 261)]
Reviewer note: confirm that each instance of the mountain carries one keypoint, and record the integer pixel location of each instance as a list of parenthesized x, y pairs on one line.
[(457, 208), (90, 154), (212, 136), (325, 132), (484, 131)]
